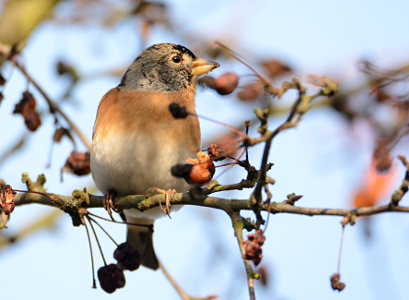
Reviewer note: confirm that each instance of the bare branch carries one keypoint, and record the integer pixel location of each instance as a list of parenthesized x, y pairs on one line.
[(238, 233), (143, 203), (54, 107)]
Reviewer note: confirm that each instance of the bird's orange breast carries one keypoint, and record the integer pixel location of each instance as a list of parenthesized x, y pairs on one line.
[(136, 140), (124, 112)]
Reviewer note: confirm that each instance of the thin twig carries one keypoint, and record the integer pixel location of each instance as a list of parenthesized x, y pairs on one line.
[(234, 129), (119, 222), (102, 228), (175, 285), (340, 249), (96, 238), (94, 284), (140, 202), (54, 107), (238, 233), (239, 59), (287, 124)]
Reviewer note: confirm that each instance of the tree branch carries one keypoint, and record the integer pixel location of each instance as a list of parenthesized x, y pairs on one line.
[(238, 233), (54, 107), (143, 203)]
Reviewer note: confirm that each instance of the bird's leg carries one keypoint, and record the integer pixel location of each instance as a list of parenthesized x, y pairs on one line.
[(108, 202), (169, 193)]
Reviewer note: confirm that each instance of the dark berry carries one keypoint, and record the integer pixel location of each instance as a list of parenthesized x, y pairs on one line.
[(111, 278), (127, 256)]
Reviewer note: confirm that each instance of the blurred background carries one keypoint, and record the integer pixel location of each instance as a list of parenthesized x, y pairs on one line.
[(77, 50)]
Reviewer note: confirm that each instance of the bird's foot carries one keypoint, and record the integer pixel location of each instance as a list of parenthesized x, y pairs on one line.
[(168, 197), (109, 203)]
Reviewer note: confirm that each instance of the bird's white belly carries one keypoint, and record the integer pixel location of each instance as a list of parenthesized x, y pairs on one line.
[(134, 163)]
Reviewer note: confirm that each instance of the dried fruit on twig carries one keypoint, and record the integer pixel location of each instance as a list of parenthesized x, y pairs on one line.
[(7, 199), (26, 107), (77, 163), (252, 246), (127, 256), (336, 284), (224, 146), (60, 132), (224, 84), (250, 92), (216, 152), (203, 169), (382, 156), (275, 68), (111, 278)]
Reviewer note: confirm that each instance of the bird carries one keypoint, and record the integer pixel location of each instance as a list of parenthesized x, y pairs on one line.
[(136, 140)]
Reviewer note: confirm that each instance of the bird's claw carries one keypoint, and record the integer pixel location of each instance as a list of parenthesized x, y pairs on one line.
[(168, 197), (109, 203)]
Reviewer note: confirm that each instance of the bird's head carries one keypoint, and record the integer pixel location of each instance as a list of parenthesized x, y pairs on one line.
[(165, 67)]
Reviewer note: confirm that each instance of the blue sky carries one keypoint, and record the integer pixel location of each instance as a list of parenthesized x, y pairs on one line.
[(318, 159)]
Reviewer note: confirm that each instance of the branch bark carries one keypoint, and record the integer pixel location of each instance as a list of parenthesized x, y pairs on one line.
[(143, 203)]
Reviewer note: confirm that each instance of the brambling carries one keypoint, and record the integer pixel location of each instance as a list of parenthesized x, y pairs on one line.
[(136, 140)]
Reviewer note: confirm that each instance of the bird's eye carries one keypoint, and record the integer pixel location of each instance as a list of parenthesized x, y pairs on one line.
[(176, 59)]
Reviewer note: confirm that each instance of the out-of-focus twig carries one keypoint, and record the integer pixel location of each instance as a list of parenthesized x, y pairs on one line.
[(45, 222), (54, 107), (238, 227), (17, 145)]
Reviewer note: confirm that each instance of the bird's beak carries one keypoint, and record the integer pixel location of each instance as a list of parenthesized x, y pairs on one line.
[(202, 66)]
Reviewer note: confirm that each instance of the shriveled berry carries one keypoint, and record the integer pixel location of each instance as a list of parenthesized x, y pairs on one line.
[(111, 278), (250, 92), (26, 107), (252, 247), (336, 283), (226, 83), (208, 81), (127, 256), (77, 163), (202, 172), (276, 68), (203, 169), (7, 199), (216, 152)]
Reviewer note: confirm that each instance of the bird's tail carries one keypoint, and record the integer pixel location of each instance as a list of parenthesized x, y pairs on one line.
[(141, 238)]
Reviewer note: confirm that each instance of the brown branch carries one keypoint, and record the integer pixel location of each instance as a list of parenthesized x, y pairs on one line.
[(402, 190), (54, 107), (238, 233), (183, 295), (228, 205), (288, 123)]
